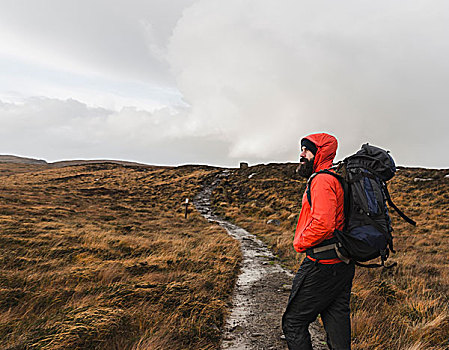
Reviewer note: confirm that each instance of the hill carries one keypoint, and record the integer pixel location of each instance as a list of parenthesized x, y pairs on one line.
[(24, 160), (99, 256), (23, 164), (20, 160), (64, 163)]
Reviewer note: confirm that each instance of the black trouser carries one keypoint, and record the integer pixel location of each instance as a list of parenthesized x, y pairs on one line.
[(319, 289)]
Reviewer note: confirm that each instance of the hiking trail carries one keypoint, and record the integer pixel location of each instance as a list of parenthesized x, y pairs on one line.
[(261, 291)]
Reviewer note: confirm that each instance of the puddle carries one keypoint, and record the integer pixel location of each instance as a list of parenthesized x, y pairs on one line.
[(258, 271)]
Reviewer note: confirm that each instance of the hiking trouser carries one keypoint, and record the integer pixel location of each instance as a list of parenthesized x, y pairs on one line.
[(319, 289)]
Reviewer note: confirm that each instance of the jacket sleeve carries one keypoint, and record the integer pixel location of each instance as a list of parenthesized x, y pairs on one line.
[(323, 213)]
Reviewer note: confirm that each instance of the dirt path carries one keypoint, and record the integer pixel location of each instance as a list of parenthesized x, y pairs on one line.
[(261, 291)]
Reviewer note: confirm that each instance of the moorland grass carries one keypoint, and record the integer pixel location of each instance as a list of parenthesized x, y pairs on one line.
[(100, 256)]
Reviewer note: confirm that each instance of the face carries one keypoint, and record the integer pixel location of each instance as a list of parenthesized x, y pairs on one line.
[(306, 159), (305, 154)]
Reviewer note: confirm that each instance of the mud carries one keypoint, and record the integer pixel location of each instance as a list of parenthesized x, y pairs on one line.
[(261, 291)]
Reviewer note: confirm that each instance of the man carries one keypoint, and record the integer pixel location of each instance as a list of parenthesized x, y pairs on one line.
[(323, 283)]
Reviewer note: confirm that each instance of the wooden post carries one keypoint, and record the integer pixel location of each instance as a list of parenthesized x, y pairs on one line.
[(186, 204)]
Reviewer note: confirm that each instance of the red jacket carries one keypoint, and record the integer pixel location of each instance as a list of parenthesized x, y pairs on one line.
[(326, 215)]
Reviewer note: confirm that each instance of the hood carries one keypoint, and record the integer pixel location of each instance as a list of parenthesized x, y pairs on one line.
[(327, 148)]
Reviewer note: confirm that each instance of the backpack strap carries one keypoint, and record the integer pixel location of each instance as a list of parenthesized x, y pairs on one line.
[(401, 214), (325, 171), (387, 194), (309, 184), (373, 266), (328, 249), (344, 186), (383, 257)]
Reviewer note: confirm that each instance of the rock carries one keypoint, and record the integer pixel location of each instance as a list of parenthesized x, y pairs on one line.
[(249, 177), (418, 179), (243, 165), (273, 222), (237, 329), (286, 287), (446, 176)]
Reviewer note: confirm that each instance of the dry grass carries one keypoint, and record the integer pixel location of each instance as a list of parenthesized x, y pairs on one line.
[(403, 308), (100, 256)]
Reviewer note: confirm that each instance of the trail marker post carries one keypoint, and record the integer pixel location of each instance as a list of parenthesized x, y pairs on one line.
[(186, 203), (244, 165)]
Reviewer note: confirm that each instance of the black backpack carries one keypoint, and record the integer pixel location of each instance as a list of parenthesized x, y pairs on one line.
[(367, 232)]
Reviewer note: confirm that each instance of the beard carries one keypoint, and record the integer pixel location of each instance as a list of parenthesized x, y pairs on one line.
[(305, 167)]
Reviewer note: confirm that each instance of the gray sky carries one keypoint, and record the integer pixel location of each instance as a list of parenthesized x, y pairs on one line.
[(218, 82)]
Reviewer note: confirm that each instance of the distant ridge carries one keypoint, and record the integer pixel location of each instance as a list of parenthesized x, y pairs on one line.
[(63, 163), (59, 164), (21, 160)]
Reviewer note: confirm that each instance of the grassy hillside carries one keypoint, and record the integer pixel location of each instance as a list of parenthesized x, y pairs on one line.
[(402, 308), (99, 256)]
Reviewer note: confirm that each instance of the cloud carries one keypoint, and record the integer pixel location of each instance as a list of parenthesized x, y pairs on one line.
[(105, 53), (56, 130), (261, 74), (103, 37), (256, 76)]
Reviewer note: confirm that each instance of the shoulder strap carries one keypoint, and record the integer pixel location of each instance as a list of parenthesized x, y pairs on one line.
[(338, 177)]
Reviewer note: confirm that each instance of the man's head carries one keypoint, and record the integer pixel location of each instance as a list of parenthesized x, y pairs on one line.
[(317, 153), (306, 158)]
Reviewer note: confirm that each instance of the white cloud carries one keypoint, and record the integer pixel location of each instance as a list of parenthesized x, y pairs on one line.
[(56, 130), (263, 73), (101, 37), (257, 75), (105, 53)]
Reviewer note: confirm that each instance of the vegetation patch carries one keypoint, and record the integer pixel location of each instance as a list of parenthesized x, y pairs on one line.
[(100, 256)]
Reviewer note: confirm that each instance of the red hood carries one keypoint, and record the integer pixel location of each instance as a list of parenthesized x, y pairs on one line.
[(327, 148)]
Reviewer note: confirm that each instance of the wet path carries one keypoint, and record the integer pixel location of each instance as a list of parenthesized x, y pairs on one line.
[(260, 295)]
